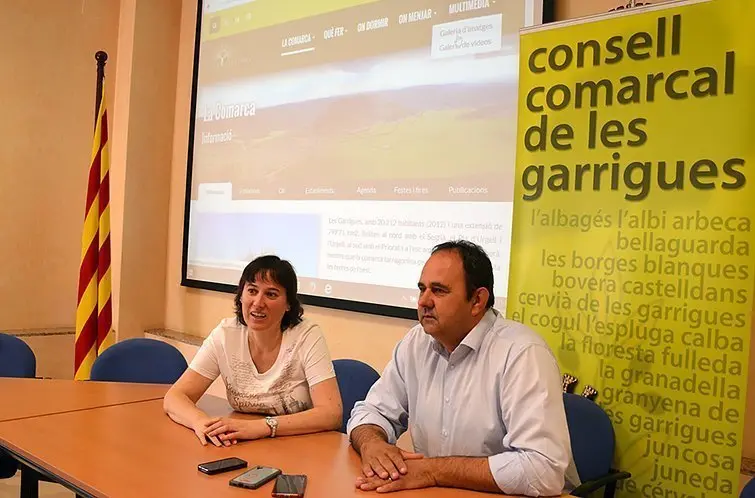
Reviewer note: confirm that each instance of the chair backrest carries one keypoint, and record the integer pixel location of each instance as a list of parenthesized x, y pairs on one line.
[(139, 360), (354, 381), (16, 358), (8, 465), (592, 436), (749, 490)]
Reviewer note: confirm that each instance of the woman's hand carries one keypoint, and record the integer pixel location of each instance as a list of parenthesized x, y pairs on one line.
[(201, 429), (180, 403), (231, 430)]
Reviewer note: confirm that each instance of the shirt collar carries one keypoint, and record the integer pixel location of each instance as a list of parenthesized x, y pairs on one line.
[(474, 338), (477, 334)]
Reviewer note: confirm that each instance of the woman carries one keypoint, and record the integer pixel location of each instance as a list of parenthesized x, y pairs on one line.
[(272, 361)]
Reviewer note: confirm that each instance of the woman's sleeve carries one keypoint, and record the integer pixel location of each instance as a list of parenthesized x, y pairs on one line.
[(316, 357), (205, 362)]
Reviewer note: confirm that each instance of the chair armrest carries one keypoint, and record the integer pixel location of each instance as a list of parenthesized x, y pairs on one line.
[(588, 487)]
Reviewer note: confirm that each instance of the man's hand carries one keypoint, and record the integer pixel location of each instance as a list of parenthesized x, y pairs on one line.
[(384, 461), (419, 475), (230, 430)]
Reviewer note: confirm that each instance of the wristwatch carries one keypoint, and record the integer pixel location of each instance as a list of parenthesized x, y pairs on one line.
[(272, 422)]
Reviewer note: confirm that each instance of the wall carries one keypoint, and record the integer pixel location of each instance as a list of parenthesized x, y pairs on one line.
[(570, 9), (47, 346), (48, 93), (50, 88), (141, 157)]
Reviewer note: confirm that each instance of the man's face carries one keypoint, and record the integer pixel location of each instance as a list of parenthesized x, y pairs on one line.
[(443, 308)]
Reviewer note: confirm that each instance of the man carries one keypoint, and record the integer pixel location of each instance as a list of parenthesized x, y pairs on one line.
[(481, 395)]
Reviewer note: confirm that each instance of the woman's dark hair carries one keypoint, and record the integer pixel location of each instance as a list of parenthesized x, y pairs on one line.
[(478, 271), (281, 272)]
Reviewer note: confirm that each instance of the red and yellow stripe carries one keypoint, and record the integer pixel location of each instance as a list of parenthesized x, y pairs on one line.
[(94, 318)]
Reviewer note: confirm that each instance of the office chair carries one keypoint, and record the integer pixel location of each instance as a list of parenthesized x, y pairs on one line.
[(592, 443), (16, 360), (139, 360), (355, 379), (749, 490)]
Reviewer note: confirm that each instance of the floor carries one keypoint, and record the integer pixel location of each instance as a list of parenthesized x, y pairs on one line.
[(10, 488)]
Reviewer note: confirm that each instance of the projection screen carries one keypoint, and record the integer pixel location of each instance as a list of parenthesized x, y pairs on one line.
[(350, 137)]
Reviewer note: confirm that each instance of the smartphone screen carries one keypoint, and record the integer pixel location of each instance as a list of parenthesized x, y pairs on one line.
[(255, 477), (223, 465), (290, 485)]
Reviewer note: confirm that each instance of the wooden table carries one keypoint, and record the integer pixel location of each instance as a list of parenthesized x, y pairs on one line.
[(136, 450), (25, 398)]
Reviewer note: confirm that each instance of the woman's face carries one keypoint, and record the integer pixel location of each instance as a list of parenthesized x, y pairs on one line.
[(263, 303)]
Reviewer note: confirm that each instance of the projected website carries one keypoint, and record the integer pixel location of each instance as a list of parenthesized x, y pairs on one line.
[(350, 137)]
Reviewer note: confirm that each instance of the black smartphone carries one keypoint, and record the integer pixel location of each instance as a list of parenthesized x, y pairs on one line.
[(255, 477), (290, 486), (224, 465)]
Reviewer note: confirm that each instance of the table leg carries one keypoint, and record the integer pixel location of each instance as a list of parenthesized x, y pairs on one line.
[(29, 482)]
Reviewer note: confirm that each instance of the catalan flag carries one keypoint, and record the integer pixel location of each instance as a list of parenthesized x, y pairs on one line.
[(94, 318)]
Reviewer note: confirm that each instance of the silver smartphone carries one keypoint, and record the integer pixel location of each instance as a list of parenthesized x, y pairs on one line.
[(255, 477)]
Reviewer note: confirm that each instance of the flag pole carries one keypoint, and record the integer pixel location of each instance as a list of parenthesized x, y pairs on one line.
[(101, 58), (94, 330)]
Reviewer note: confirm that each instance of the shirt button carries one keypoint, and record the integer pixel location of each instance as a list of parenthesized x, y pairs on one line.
[(445, 433), (447, 399), (452, 366)]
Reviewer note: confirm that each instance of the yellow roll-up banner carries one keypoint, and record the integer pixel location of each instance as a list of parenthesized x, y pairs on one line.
[(632, 249)]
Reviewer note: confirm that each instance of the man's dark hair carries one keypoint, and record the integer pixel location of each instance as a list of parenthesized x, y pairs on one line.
[(478, 270), (281, 272)]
